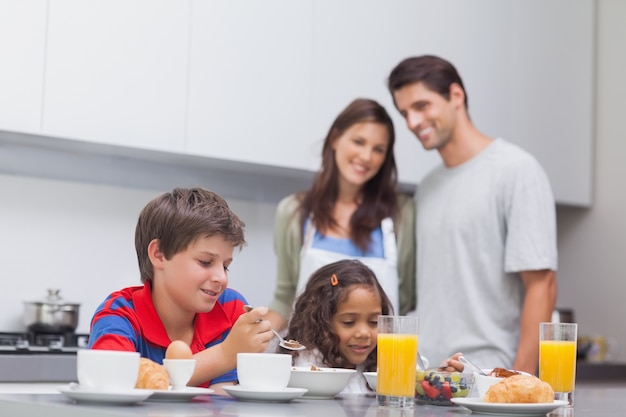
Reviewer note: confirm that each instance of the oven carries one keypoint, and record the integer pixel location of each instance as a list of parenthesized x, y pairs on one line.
[(39, 357)]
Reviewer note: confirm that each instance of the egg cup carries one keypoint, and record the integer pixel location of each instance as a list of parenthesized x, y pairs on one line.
[(179, 371)]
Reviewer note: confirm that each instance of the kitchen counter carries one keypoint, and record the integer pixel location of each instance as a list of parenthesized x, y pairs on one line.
[(591, 401)]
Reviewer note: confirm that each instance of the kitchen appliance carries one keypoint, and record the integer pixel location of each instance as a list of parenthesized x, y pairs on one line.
[(39, 356), (51, 315)]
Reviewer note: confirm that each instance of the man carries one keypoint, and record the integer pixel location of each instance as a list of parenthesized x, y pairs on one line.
[(486, 228)]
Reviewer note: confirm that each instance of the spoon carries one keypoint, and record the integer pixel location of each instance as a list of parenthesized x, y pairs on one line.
[(466, 361), (282, 342), (420, 361)]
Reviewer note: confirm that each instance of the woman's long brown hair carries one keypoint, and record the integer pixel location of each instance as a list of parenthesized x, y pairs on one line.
[(312, 321), (379, 196)]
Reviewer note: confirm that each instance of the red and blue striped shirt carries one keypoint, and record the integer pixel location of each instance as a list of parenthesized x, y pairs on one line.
[(127, 320)]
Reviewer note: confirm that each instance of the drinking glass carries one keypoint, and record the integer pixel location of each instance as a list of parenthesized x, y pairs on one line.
[(557, 358), (397, 360)]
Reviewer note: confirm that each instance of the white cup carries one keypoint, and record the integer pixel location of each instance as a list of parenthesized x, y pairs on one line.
[(264, 371), (107, 370)]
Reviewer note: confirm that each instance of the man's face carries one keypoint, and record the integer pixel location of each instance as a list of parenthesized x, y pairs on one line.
[(430, 117)]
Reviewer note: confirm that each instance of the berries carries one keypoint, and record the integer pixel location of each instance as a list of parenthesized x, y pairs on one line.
[(439, 388)]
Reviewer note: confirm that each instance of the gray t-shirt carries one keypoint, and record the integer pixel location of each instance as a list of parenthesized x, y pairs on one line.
[(478, 225)]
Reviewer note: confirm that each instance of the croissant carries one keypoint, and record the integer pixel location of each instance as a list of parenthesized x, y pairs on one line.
[(152, 375), (520, 389)]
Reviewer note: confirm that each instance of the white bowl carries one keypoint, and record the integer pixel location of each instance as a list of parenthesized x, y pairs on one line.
[(371, 378), (482, 383), (322, 383)]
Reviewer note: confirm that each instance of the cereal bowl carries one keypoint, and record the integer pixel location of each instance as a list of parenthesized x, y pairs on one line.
[(321, 383), (438, 387), (371, 378)]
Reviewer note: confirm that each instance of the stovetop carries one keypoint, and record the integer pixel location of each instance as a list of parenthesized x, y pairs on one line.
[(49, 343)]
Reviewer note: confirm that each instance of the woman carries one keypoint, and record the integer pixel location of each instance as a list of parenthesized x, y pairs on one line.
[(353, 210)]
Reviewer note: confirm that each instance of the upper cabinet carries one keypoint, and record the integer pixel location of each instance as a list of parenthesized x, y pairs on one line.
[(250, 81), (22, 46), (528, 68), (116, 72), (257, 84), (352, 56)]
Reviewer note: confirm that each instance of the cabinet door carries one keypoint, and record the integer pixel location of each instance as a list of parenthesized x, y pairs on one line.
[(354, 49), (528, 71), (22, 43), (249, 85), (116, 72)]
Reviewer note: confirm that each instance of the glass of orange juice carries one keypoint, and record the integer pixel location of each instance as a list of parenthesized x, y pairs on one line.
[(397, 360), (557, 358)]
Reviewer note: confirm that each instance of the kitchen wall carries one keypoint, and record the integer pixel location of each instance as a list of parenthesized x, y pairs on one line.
[(79, 237), (592, 243)]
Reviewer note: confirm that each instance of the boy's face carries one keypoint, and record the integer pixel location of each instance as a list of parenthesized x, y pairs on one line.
[(196, 277), (356, 324)]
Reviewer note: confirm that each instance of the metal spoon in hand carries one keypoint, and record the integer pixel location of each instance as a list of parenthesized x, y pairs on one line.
[(466, 361), (285, 344)]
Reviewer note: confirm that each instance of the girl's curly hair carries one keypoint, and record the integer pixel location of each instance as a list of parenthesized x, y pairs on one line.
[(312, 320)]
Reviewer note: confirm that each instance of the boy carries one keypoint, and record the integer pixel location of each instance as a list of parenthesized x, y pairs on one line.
[(184, 241)]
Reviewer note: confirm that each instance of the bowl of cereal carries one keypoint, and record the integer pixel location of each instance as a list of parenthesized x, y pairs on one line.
[(439, 387), (321, 383), (371, 378)]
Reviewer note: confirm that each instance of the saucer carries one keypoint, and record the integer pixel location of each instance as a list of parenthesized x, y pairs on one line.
[(283, 395), (179, 395), (477, 405), (78, 394)]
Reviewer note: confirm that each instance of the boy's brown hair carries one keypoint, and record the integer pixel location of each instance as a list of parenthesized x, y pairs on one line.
[(178, 218)]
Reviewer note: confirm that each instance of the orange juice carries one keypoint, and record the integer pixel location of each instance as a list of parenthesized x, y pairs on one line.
[(557, 364), (397, 361)]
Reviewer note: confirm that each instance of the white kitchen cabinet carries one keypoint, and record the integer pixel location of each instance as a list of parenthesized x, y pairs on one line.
[(250, 81), (116, 72), (22, 45), (528, 71), (354, 49)]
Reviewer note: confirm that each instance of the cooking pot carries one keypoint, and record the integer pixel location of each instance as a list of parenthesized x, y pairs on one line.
[(51, 315)]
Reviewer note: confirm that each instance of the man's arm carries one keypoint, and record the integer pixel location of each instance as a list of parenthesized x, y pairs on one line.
[(538, 306)]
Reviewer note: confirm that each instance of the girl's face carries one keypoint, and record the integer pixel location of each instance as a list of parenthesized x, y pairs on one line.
[(360, 152), (356, 324)]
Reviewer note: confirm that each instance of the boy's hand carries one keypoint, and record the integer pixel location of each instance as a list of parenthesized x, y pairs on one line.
[(250, 333)]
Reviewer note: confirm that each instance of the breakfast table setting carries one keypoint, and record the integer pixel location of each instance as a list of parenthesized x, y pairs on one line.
[(593, 400), (121, 383)]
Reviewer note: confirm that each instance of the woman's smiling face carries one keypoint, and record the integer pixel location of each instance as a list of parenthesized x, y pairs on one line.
[(360, 152)]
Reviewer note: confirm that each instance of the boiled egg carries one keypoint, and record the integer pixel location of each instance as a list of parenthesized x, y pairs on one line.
[(178, 350)]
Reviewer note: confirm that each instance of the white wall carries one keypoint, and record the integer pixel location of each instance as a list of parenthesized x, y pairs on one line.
[(80, 238), (592, 243)]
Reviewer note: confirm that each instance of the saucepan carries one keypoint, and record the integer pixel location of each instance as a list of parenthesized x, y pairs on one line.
[(51, 315)]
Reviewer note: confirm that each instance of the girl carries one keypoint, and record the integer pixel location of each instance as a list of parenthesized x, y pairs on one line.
[(352, 210), (336, 318)]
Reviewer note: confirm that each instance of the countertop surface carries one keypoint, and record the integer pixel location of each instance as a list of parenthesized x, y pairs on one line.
[(591, 401)]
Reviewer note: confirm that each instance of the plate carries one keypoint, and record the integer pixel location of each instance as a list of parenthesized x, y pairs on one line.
[(244, 394), (179, 395), (500, 409), (78, 394)]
